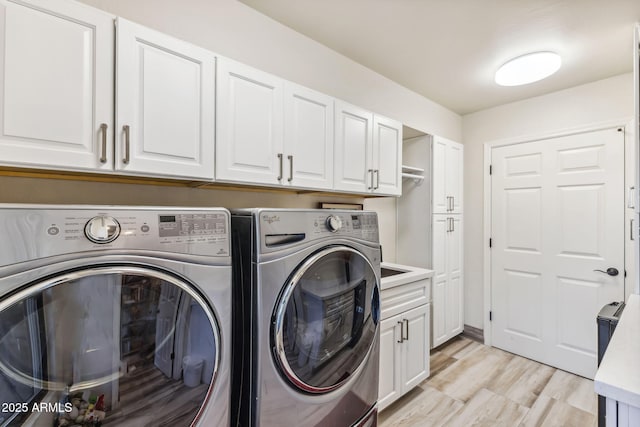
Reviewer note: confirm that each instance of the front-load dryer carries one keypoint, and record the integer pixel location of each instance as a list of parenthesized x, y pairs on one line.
[(114, 316), (306, 301)]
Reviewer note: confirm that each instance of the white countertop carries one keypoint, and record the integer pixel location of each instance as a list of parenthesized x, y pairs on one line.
[(618, 376), (409, 274)]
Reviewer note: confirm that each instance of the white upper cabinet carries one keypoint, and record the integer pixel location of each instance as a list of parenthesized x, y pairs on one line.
[(448, 157), (249, 129), (353, 145), (308, 138), (165, 105), (387, 156), (367, 152), (56, 85)]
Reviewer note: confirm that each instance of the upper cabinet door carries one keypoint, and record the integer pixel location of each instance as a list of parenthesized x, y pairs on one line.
[(249, 135), (308, 138), (447, 167), (439, 176), (387, 156), (454, 180), (353, 149), (165, 105), (56, 85)]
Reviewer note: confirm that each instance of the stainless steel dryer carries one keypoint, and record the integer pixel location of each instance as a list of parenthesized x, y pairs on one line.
[(306, 285), (114, 316)]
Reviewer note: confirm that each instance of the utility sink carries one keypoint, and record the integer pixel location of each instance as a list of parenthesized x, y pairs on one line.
[(388, 272), (396, 274)]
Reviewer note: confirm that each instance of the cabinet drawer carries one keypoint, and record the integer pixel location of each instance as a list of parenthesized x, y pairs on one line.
[(404, 297)]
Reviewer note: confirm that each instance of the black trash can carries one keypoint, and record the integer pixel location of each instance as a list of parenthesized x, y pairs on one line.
[(607, 321)]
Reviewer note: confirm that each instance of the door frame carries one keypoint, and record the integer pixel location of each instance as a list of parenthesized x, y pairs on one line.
[(625, 123)]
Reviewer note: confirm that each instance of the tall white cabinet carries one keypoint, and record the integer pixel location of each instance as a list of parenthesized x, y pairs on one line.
[(430, 227), (447, 246), (56, 85)]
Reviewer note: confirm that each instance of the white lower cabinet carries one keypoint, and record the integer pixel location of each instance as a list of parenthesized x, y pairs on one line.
[(404, 340)]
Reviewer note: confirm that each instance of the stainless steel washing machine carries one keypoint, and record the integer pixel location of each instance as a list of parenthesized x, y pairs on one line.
[(306, 300), (114, 316)]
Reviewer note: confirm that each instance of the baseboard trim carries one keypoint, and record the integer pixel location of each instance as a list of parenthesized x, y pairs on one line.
[(473, 333)]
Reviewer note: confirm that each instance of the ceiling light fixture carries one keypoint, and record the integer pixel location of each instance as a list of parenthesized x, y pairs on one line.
[(528, 68)]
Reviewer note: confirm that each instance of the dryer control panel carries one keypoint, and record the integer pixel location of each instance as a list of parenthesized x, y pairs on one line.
[(297, 225), (54, 231)]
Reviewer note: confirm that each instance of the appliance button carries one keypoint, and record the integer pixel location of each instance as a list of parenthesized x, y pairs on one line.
[(53, 231), (333, 223), (144, 228), (102, 229)]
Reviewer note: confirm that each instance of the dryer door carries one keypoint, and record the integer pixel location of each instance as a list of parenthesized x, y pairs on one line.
[(325, 322), (113, 345)]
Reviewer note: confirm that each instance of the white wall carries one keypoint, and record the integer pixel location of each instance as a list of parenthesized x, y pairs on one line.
[(601, 101)]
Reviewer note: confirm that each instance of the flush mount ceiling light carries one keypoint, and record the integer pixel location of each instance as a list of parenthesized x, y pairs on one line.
[(528, 68)]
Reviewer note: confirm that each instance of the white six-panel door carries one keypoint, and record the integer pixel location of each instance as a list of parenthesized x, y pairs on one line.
[(56, 85), (557, 215), (165, 104)]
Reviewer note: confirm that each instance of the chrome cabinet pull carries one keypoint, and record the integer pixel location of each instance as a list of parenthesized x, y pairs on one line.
[(453, 225), (401, 333), (290, 157), (125, 160), (406, 322), (370, 172), (631, 230), (453, 203), (377, 172), (280, 161), (103, 153)]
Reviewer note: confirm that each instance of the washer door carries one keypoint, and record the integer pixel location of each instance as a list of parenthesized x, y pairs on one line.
[(118, 344), (325, 322)]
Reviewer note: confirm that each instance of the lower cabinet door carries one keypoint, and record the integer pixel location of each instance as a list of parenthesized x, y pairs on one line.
[(390, 353), (404, 353), (416, 346)]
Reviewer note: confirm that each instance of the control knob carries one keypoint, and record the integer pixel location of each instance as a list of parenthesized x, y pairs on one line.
[(102, 229), (333, 223)]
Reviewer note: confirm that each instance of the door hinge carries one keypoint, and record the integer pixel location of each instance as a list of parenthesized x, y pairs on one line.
[(490, 242), (490, 169), (490, 316)]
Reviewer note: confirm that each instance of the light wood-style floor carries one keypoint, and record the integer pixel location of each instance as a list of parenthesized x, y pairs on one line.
[(475, 385)]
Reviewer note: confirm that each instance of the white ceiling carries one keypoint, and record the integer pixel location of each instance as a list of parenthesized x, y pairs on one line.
[(448, 50)]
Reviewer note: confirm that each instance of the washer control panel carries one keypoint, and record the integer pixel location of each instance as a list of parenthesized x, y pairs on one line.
[(49, 231)]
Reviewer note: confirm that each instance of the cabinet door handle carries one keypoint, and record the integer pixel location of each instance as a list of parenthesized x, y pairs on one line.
[(290, 157), (370, 172), (103, 152), (126, 130), (631, 230), (453, 225), (377, 172), (401, 333), (406, 322), (453, 203), (280, 161)]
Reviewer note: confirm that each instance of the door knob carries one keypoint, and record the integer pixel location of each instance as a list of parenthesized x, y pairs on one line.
[(610, 271)]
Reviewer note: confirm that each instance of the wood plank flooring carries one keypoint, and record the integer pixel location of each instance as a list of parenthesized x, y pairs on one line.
[(475, 385)]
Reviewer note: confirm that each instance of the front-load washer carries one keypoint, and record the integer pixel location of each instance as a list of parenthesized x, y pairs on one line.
[(306, 312), (114, 316)]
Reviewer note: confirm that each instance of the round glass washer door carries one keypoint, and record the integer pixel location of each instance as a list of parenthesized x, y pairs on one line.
[(326, 320), (107, 345)]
